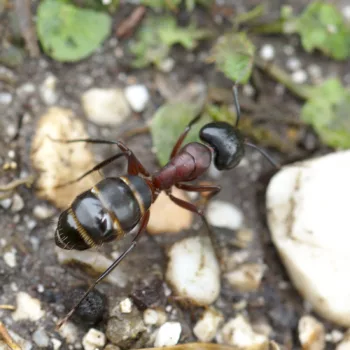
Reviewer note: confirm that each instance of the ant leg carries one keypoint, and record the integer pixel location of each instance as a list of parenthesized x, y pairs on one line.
[(191, 207), (144, 222), (183, 135), (95, 168), (213, 190), (134, 165)]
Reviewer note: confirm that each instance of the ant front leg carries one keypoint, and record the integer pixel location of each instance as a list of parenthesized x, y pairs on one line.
[(183, 136), (191, 207), (143, 225)]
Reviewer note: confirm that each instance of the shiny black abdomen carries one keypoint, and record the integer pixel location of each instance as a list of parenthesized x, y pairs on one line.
[(106, 212)]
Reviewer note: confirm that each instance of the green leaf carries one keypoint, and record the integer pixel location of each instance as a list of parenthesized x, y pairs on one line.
[(234, 55), (328, 112), (68, 33), (156, 37), (167, 125), (321, 26)]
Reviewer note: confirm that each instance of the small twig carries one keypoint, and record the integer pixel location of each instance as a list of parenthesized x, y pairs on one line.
[(7, 338), (15, 183), (127, 27), (7, 307), (24, 17), (303, 91)]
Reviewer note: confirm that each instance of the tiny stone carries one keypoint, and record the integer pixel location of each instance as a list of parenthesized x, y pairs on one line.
[(26, 89), (267, 52), (224, 214), (248, 90), (315, 71), (43, 212), (40, 288), (11, 154), (69, 332), (56, 343), (93, 339), (346, 12), (137, 96), (311, 333), (335, 336), (168, 334), (288, 50), (206, 328), (167, 65), (299, 76), (41, 338), (17, 203), (293, 64), (126, 306), (28, 308), (10, 258), (154, 317), (11, 130), (48, 91), (6, 203), (5, 98)]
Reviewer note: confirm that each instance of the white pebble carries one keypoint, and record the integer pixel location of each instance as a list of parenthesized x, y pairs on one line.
[(246, 277), (224, 214), (308, 216), (6, 203), (293, 64), (94, 339), (56, 343), (299, 76), (168, 334), (239, 333), (248, 90), (137, 96), (311, 333), (28, 308), (150, 317), (335, 336), (69, 332), (267, 52), (43, 212), (26, 89), (10, 258), (17, 203), (167, 65), (5, 98), (346, 12), (193, 270), (315, 71), (48, 91), (105, 106), (126, 306), (206, 328), (41, 338)]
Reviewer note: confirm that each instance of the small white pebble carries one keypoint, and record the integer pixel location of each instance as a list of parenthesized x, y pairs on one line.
[(40, 288), (10, 258), (248, 90), (5, 98), (43, 212), (17, 203), (167, 65), (224, 214), (267, 52), (346, 12), (293, 64), (11, 154), (126, 306), (299, 76), (28, 308), (137, 96), (311, 333), (335, 336), (6, 203), (206, 328), (168, 334), (69, 332), (315, 71), (154, 317), (48, 91), (41, 338), (94, 339), (56, 343)]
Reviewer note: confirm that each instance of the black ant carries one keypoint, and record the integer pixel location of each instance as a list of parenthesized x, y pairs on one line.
[(116, 205)]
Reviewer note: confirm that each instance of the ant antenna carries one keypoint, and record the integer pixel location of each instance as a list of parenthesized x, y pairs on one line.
[(238, 108), (265, 154)]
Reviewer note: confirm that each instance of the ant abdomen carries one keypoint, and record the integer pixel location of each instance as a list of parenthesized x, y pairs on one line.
[(227, 142), (104, 213)]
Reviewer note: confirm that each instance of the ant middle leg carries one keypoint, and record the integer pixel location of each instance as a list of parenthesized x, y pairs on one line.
[(135, 167), (191, 207), (211, 189)]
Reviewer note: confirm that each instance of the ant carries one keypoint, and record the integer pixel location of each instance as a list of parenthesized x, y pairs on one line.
[(116, 205)]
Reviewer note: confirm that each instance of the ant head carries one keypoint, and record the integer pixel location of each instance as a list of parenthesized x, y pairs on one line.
[(227, 143)]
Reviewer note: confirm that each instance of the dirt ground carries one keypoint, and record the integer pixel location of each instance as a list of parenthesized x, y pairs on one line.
[(37, 270)]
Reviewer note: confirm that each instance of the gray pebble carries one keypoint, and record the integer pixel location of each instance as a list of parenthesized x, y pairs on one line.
[(41, 338)]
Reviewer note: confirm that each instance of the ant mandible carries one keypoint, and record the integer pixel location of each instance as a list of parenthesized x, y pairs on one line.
[(115, 205)]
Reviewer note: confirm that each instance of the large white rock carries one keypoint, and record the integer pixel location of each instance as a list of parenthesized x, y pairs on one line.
[(308, 215)]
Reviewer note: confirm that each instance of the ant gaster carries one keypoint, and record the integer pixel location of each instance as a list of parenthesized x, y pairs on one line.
[(115, 205)]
